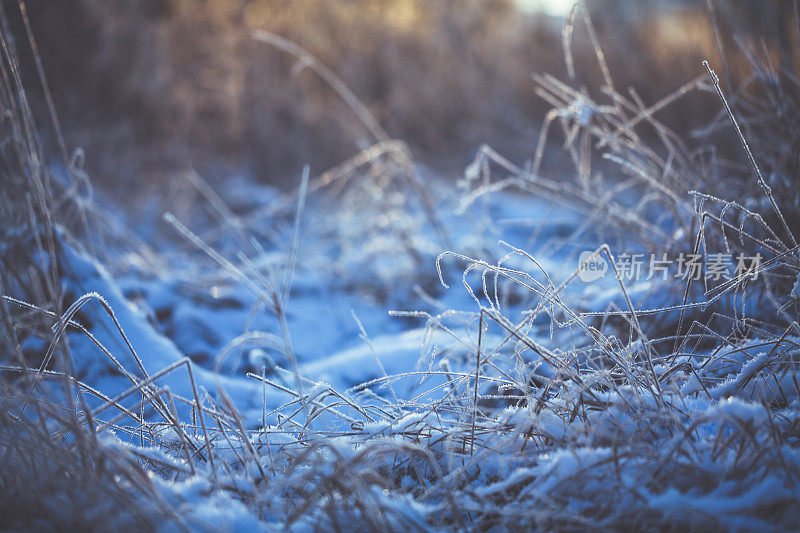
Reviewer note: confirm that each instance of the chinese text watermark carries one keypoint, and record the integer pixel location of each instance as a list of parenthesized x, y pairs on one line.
[(633, 267)]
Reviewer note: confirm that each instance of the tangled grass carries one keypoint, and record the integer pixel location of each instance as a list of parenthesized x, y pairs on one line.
[(679, 411)]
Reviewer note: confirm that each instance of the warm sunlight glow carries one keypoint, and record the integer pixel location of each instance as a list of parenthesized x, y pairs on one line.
[(551, 7)]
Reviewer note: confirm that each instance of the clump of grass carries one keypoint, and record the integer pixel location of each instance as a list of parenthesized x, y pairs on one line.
[(607, 422)]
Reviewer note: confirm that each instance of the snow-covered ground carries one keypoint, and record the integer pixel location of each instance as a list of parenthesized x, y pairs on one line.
[(353, 286), (357, 307)]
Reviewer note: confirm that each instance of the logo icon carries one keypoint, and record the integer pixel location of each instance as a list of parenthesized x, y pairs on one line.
[(591, 266)]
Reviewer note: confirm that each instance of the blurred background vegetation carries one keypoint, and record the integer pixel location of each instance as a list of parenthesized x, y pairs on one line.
[(151, 87)]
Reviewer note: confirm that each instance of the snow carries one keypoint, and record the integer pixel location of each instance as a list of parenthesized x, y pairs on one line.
[(369, 377)]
